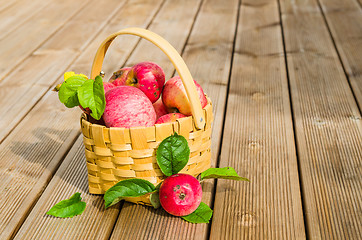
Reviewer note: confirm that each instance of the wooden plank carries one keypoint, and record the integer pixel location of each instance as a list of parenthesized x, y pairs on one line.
[(208, 55), (29, 157), (66, 182), (19, 92), (16, 14), (32, 152), (344, 20), (19, 44), (5, 4), (258, 136), (327, 123)]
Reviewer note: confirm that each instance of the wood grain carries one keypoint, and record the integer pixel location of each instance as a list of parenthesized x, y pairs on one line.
[(29, 157), (344, 20), (15, 15), (208, 55), (258, 137), (19, 44), (328, 126), (69, 179), (28, 83), (33, 151)]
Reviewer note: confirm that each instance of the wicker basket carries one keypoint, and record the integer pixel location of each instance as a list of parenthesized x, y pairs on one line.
[(115, 154)]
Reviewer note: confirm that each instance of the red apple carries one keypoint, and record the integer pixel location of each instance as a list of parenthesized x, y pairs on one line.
[(107, 86), (119, 77), (174, 96), (148, 77), (160, 108), (180, 194), (127, 107), (170, 117)]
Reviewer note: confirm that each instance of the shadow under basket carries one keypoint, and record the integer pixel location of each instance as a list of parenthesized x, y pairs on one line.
[(115, 154)]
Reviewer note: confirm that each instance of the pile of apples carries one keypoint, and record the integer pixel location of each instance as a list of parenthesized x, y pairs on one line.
[(138, 96)]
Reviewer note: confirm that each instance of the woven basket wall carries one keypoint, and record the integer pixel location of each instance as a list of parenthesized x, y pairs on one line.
[(115, 154)]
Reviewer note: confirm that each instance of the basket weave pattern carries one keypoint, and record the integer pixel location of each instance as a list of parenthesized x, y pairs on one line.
[(115, 154)]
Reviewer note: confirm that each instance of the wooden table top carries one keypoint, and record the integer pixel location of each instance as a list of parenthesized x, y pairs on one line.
[(285, 78)]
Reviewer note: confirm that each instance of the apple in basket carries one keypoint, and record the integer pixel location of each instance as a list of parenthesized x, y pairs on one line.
[(148, 77), (119, 77), (170, 117), (174, 96), (160, 108), (127, 106)]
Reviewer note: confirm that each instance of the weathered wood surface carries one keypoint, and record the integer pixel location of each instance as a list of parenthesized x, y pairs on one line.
[(344, 20), (328, 125), (284, 78), (258, 136)]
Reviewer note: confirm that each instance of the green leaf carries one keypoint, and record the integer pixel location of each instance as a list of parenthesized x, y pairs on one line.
[(155, 200), (68, 91), (69, 207), (127, 188), (224, 173), (173, 154), (202, 214), (91, 95)]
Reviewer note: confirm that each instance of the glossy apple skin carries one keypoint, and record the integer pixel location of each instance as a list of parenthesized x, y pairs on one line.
[(119, 77), (148, 77), (174, 96), (127, 107), (180, 194), (170, 117), (160, 108)]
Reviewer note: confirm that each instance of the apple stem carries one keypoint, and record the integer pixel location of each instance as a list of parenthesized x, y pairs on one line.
[(57, 87), (182, 196)]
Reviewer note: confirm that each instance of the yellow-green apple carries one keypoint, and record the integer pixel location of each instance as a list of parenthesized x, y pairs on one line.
[(127, 106), (148, 77), (160, 108), (174, 96), (170, 117), (119, 77)]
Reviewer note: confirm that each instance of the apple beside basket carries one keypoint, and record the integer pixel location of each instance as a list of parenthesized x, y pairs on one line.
[(115, 154)]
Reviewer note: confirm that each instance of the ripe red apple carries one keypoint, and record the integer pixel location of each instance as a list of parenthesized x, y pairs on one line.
[(174, 96), (180, 194), (127, 107), (119, 77), (160, 108), (170, 117), (148, 77), (107, 86)]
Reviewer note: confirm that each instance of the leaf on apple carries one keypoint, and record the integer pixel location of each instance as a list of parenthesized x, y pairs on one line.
[(91, 95), (127, 188), (173, 154), (202, 214), (68, 92)]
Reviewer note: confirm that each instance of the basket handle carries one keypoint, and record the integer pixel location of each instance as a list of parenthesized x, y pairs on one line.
[(171, 53)]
